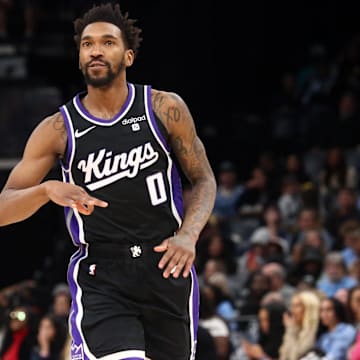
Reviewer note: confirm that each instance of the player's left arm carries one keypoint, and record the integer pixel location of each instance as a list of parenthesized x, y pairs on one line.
[(191, 155)]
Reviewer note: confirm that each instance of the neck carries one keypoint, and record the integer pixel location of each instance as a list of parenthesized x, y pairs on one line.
[(331, 327), (106, 102)]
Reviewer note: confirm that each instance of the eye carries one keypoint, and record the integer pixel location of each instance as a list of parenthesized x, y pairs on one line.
[(109, 42), (85, 44)]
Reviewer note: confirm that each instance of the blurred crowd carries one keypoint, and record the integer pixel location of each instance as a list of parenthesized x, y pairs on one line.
[(279, 260), (34, 323)]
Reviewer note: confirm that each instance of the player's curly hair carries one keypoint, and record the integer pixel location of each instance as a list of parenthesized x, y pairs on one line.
[(110, 13)]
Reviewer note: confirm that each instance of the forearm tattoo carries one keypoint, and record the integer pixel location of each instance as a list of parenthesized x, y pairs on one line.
[(192, 157)]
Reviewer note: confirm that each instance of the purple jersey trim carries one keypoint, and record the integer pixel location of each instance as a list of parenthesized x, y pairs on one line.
[(124, 109), (77, 346), (177, 190), (66, 162)]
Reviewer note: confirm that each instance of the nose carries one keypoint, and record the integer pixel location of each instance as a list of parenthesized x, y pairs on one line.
[(96, 50)]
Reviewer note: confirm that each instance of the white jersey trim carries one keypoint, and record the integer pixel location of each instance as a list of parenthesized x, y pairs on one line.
[(128, 354)]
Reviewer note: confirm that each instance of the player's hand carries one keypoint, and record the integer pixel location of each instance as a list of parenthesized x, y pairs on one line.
[(179, 255), (73, 196)]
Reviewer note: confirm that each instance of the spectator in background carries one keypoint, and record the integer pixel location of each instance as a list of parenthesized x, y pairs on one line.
[(277, 250), (345, 209), (290, 201), (271, 235), (19, 334), (50, 339), (256, 194), (272, 225), (294, 166), (271, 332), (216, 325), (229, 191), (205, 346), (251, 297), (216, 247), (335, 275), (251, 260), (336, 335), (218, 286), (278, 280), (61, 303), (300, 325), (354, 270), (312, 241), (352, 253), (227, 201), (349, 232), (307, 259), (309, 219), (212, 266), (335, 175), (342, 295), (353, 307)]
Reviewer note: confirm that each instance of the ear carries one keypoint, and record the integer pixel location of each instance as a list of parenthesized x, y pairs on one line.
[(129, 57)]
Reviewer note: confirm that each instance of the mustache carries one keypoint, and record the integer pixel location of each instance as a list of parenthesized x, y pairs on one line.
[(88, 64)]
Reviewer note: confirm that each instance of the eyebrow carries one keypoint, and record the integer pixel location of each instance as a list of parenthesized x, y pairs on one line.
[(105, 36)]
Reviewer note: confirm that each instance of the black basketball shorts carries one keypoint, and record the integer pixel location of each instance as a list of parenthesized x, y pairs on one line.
[(123, 308)]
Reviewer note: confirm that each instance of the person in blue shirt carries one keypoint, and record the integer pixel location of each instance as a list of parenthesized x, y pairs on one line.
[(335, 335), (228, 193), (335, 276)]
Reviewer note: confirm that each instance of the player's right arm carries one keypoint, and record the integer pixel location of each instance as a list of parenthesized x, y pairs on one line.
[(25, 191)]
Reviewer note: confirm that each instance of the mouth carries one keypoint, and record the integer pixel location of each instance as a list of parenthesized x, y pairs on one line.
[(96, 64)]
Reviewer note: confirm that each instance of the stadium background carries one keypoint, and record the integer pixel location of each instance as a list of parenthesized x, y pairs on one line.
[(224, 58)]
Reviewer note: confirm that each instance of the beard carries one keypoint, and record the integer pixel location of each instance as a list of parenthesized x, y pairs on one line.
[(105, 80)]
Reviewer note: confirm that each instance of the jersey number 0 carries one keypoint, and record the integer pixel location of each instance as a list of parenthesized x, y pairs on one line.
[(156, 187)]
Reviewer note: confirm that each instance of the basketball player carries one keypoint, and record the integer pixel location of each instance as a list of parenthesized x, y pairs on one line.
[(133, 284)]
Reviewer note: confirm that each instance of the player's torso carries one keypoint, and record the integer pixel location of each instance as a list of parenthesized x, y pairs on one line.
[(126, 162)]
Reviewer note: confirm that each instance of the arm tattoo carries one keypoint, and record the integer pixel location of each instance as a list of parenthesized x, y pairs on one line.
[(59, 125), (191, 154), (179, 145), (166, 113)]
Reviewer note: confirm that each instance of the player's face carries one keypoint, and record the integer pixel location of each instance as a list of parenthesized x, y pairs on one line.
[(103, 55)]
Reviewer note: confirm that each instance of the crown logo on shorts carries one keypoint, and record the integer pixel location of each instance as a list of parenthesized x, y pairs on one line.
[(135, 251)]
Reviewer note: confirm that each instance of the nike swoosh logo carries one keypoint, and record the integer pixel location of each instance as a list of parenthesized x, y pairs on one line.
[(79, 134)]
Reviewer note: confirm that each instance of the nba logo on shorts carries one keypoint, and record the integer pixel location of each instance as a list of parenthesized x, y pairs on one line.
[(77, 352), (92, 269)]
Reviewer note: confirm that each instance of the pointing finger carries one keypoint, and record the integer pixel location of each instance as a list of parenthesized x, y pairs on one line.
[(100, 203)]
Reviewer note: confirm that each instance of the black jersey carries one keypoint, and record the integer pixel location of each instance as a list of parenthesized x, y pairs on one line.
[(125, 161)]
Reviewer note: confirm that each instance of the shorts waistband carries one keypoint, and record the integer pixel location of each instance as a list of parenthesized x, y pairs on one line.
[(120, 250)]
